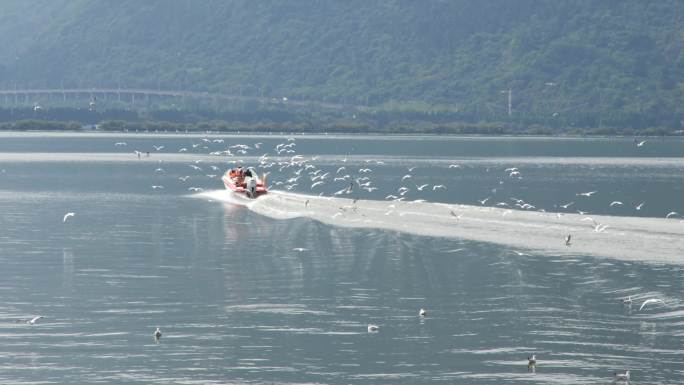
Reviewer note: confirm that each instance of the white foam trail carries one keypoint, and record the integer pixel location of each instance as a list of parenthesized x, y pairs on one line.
[(627, 238)]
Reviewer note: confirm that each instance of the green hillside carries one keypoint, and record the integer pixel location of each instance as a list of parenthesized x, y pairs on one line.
[(584, 63)]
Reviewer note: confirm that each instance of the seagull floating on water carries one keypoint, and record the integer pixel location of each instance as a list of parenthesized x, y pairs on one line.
[(622, 377), (157, 334), (422, 312), (373, 328)]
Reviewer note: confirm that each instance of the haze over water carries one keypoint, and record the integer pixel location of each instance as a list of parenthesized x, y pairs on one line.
[(243, 297)]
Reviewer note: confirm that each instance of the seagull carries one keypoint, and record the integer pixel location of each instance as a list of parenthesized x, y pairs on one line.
[(300, 249), (422, 312), (67, 216), (421, 187), (454, 166), (671, 213), (587, 194), (640, 144), (157, 187), (532, 360), (622, 377), (33, 320), (599, 227), (403, 178), (120, 144), (638, 207), (652, 300), (615, 203), (565, 206), (372, 328), (183, 150), (439, 186), (196, 189), (627, 301), (484, 201), (157, 334), (157, 148), (567, 240)]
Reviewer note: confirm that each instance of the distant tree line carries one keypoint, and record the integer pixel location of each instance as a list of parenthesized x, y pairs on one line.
[(607, 65)]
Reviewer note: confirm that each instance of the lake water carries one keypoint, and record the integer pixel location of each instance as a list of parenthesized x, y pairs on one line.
[(245, 298)]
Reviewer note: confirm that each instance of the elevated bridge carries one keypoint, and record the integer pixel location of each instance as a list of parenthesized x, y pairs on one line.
[(145, 96)]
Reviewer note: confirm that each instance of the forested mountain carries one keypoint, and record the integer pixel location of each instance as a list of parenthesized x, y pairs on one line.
[(591, 63)]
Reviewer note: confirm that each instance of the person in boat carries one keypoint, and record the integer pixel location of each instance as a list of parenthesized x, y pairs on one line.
[(248, 173), (240, 175)]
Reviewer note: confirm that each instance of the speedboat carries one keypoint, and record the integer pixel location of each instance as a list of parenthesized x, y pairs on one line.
[(245, 181)]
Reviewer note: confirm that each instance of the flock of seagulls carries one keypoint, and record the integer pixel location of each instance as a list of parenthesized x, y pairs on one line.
[(624, 376), (300, 172)]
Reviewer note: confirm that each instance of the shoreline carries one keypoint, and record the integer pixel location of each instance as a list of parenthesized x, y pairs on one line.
[(325, 134)]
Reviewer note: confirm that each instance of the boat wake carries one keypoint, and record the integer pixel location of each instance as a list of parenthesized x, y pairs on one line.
[(627, 238)]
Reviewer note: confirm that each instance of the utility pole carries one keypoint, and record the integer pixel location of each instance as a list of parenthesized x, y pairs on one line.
[(510, 100)]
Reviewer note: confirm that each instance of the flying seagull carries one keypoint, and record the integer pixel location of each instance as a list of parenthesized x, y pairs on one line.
[(652, 300), (67, 216), (33, 320)]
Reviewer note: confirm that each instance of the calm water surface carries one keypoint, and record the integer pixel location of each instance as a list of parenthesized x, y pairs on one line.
[(243, 298)]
